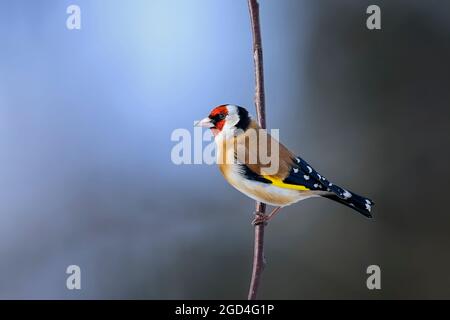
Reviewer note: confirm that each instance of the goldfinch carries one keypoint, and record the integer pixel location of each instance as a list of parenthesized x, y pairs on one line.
[(292, 181)]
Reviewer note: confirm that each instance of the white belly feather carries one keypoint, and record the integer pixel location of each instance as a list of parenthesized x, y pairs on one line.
[(265, 192)]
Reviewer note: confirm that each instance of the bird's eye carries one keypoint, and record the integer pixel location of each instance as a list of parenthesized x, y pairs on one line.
[(217, 118)]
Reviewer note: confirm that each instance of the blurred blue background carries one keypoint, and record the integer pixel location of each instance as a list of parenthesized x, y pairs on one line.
[(86, 176)]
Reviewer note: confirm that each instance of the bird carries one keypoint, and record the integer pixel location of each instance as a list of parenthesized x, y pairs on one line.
[(292, 180)]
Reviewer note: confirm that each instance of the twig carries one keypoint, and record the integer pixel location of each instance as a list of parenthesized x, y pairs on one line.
[(258, 255)]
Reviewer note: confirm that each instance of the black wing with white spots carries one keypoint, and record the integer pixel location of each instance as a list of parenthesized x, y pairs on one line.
[(304, 175)]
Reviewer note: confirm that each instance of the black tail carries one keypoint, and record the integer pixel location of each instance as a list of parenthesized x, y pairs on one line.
[(352, 200)]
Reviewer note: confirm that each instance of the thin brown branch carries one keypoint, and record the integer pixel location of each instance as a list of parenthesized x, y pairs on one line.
[(258, 254)]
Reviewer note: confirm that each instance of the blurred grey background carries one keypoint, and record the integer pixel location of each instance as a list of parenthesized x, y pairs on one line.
[(86, 176)]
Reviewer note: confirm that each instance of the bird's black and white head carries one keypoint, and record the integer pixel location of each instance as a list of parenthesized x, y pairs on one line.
[(226, 119)]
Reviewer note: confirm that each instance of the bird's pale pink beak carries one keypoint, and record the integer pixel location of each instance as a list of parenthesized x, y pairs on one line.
[(205, 123)]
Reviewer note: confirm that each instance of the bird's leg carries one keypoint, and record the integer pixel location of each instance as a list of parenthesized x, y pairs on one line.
[(273, 213), (262, 218)]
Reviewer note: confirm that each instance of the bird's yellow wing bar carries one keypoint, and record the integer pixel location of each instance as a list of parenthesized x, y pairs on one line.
[(279, 183)]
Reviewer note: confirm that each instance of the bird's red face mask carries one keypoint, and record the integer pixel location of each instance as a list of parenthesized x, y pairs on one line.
[(216, 120)]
